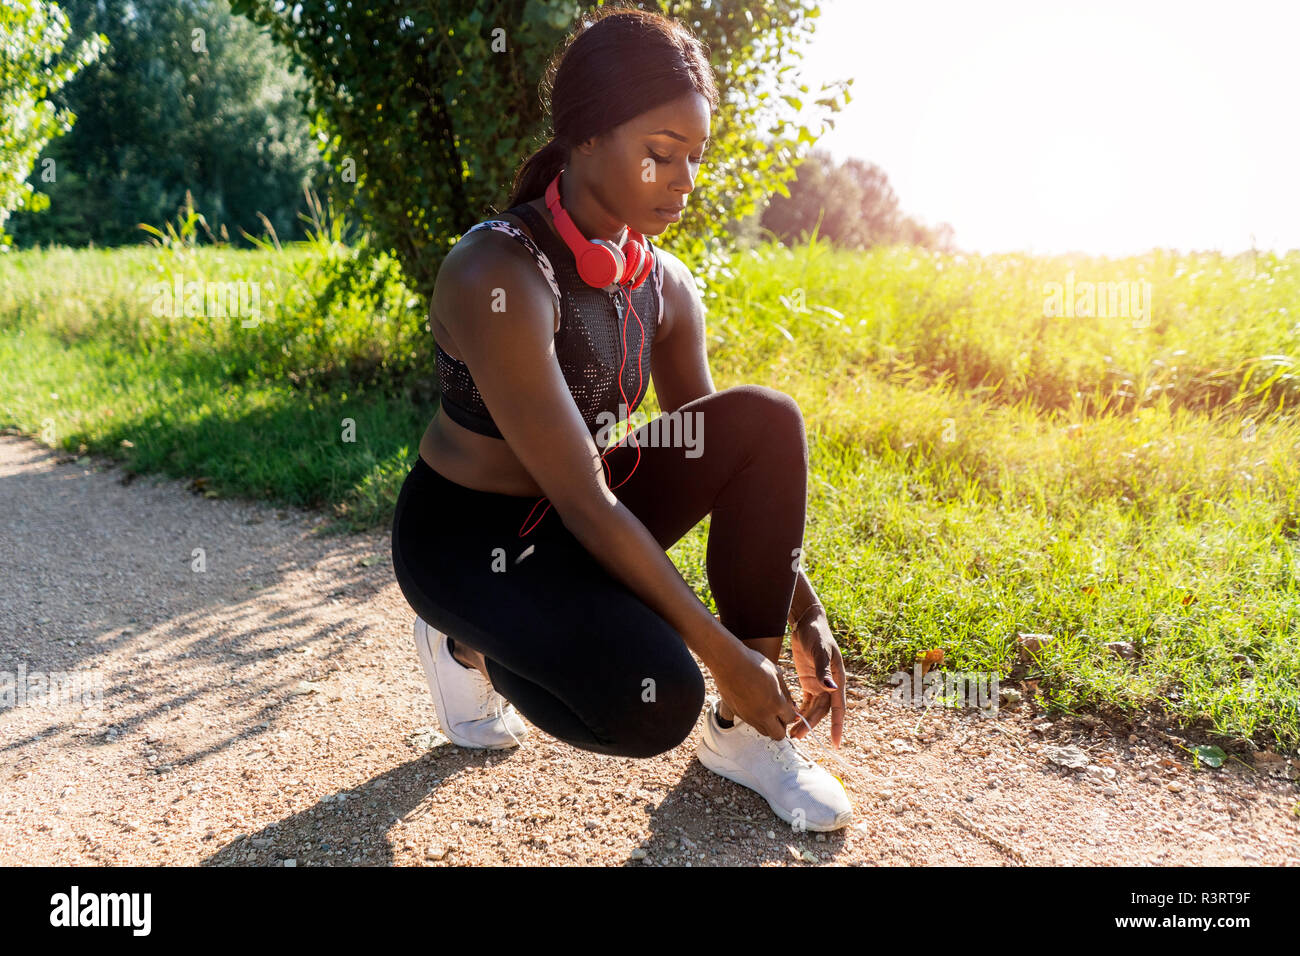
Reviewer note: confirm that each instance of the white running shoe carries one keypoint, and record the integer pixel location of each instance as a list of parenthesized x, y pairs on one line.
[(797, 789), (470, 712)]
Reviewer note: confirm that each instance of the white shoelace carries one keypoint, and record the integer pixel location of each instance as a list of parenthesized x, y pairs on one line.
[(485, 694), (783, 751), (787, 753), (485, 690)]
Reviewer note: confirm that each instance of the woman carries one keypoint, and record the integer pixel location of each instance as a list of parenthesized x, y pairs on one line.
[(537, 555)]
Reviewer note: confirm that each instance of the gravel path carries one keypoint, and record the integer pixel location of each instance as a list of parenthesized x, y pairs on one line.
[(270, 710)]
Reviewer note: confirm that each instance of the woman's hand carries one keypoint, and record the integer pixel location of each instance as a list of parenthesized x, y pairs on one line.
[(756, 691), (820, 667)]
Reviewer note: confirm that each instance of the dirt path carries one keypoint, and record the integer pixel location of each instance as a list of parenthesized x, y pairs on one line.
[(271, 708)]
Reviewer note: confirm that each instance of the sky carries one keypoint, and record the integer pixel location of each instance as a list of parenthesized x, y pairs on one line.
[(1103, 127)]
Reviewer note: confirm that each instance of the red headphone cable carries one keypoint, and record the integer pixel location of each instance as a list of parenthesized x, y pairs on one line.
[(640, 380)]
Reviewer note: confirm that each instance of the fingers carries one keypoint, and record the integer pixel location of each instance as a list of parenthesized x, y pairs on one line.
[(820, 706), (827, 679), (790, 714), (836, 704), (839, 702), (814, 709), (780, 679)]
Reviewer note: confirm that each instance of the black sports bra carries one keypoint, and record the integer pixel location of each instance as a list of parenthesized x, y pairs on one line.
[(588, 344)]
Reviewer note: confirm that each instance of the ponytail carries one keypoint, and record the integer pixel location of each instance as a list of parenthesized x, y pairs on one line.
[(537, 172)]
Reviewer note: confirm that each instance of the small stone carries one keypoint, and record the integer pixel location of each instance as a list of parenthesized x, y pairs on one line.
[(638, 854), (771, 834), (1122, 649), (1071, 757), (426, 738), (290, 862), (435, 853), (1032, 644)]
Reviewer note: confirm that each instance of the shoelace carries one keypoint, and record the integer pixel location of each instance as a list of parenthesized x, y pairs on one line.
[(783, 751), (485, 693), (846, 768), (787, 746), (786, 752)]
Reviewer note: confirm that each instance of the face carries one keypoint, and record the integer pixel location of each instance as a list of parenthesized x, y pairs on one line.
[(647, 166)]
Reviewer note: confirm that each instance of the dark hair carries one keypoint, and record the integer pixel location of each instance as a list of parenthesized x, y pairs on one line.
[(619, 63)]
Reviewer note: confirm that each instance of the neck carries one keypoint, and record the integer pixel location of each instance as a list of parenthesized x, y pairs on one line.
[(592, 220)]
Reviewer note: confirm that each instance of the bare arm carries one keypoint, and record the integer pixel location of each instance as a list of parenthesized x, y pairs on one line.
[(510, 351), (679, 365), (680, 370)]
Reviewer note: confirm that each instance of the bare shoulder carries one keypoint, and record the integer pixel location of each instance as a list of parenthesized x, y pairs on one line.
[(492, 262), (682, 300)]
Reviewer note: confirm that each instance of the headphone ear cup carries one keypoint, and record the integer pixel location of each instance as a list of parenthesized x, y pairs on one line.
[(647, 266), (634, 253), (644, 263), (601, 264)]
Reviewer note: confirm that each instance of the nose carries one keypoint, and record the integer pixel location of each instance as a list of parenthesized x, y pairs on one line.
[(683, 175)]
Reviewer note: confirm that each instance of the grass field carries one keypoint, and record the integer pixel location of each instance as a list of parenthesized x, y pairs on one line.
[(988, 458)]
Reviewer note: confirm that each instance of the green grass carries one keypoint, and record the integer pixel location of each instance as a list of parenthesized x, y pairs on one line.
[(979, 468)]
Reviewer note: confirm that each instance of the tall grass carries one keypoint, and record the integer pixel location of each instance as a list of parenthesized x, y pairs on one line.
[(980, 467)]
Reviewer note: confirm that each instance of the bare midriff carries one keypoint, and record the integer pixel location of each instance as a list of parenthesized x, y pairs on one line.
[(466, 457)]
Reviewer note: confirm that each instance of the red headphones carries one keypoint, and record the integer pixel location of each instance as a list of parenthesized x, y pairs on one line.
[(603, 265)]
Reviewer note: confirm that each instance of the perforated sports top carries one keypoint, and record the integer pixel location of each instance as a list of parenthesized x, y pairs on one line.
[(588, 344)]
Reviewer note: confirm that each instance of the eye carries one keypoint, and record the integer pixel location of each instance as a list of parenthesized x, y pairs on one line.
[(665, 159)]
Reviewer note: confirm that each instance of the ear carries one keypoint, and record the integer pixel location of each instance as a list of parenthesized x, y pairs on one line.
[(588, 146)]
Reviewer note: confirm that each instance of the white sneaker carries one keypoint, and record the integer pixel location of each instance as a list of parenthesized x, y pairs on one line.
[(799, 791), (470, 712)]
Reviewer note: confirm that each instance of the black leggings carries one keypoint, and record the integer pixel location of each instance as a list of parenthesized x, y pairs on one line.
[(577, 652)]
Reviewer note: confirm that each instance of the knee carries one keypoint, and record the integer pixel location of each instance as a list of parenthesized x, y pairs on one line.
[(665, 715), (775, 417)]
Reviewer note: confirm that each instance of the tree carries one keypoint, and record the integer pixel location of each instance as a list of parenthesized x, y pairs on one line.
[(32, 36), (188, 98), (435, 105), (851, 205)]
